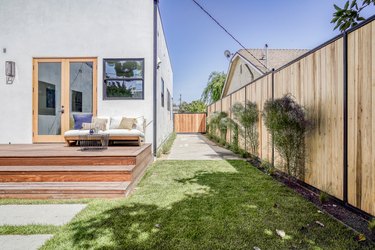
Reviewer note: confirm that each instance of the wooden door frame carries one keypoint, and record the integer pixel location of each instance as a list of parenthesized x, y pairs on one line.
[(65, 95)]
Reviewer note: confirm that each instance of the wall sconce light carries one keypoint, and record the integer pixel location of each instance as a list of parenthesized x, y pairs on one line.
[(10, 71), (158, 63)]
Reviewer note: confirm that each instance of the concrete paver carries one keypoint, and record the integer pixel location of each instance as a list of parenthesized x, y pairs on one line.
[(197, 147), (22, 242), (46, 214)]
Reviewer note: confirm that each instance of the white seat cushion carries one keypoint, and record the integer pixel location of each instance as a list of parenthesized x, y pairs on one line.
[(76, 132), (123, 132)]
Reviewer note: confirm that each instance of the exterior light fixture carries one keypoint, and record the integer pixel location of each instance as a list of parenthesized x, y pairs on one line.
[(158, 63), (10, 71)]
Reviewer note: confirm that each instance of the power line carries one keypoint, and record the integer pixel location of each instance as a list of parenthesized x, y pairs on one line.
[(226, 31)]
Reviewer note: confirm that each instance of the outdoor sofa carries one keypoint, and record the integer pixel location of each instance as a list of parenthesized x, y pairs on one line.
[(115, 127)]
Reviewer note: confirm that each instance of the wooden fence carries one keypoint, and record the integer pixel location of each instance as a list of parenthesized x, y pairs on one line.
[(336, 84), (190, 123)]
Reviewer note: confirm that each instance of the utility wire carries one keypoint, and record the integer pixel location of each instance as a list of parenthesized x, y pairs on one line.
[(226, 31)]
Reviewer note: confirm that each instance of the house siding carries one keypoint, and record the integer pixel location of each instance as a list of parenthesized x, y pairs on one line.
[(64, 28), (165, 73)]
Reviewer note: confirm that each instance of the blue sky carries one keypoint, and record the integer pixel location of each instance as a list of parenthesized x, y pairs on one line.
[(196, 44)]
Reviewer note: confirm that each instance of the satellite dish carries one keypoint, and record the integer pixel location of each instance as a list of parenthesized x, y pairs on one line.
[(227, 54)]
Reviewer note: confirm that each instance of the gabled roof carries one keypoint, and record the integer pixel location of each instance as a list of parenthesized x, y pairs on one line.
[(276, 57)]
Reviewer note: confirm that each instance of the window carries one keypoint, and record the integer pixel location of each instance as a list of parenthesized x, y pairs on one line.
[(162, 92), (168, 100), (123, 79)]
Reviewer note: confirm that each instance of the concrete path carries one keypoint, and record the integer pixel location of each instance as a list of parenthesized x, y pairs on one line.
[(22, 242), (19, 215), (197, 147), (49, 214)]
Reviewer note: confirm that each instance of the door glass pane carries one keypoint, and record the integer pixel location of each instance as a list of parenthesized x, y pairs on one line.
[(81, 92), (49, 98)]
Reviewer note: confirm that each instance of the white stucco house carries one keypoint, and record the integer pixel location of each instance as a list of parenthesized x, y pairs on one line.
[(107, 57)]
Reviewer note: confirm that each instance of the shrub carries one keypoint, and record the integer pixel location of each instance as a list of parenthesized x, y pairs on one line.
[(235, 137), (247, 116), (224, 123), (218, 122), (286, 121)]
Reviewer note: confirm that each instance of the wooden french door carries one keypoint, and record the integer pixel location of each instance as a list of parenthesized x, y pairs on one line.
[(62, 87)]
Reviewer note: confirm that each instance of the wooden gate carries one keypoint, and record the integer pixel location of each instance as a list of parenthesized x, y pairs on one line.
[(190, 122)]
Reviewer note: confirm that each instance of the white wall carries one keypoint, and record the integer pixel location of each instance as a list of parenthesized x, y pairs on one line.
[(164, 116), (239, 78), (65, 28)]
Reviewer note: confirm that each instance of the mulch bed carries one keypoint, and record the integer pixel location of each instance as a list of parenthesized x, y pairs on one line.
[(356, 221)]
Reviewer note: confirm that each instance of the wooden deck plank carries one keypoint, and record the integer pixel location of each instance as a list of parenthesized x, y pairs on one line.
[(73, 186), (68, 161), (60, 150), (66, 190), (28, 176), (73, 168), (58, 172)]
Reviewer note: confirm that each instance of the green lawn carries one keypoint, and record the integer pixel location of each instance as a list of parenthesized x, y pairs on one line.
[(204, 205)]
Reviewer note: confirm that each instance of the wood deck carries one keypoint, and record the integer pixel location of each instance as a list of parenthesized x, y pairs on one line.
[(58, 171)]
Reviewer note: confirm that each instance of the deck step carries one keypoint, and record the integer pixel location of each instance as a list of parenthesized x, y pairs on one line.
[(79, 168), (63, 190), (107, 173), (68, 160)]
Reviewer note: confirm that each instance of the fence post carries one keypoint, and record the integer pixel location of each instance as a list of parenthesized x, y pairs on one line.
[(273, 98), (245, 111), (345, 117), (230, 112)]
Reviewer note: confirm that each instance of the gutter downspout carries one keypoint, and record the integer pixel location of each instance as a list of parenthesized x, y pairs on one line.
[(155, 127)]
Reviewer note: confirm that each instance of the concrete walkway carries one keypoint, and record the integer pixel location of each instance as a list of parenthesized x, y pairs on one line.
[(22, 242), (48, 214), (197, 147), (20, 215)]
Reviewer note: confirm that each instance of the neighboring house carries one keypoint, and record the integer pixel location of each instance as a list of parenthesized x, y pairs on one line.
[(244, 68), (83, 56)]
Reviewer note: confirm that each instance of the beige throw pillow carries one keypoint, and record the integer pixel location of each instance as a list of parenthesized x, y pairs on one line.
[(87, 126), (99, 123), (127, 123)]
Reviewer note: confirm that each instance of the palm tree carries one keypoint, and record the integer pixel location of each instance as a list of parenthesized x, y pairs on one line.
[(215, 84)]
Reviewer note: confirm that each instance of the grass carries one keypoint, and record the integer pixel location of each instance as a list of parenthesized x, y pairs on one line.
[(167, 145), (204, 205), (29, 229)]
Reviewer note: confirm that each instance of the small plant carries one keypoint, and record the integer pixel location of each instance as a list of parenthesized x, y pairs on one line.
[(222, 142), (247, 116), (268, 168), (219, 122), (323, 197), (371, 226), (244, 153), (287, 123), (167, 145)]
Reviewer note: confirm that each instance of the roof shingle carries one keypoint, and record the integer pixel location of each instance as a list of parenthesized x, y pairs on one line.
[(276, 57)]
